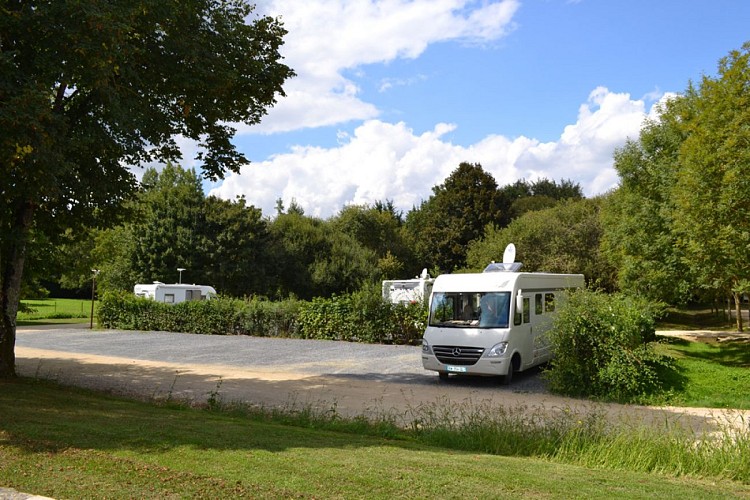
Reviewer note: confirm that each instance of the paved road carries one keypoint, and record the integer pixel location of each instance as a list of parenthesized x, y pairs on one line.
[(355, 379)]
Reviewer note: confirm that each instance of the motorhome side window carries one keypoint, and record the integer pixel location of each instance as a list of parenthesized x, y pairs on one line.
[(526, 310), (549, 302), (470, 309), (538, 304), (519, 319), (169, 298)]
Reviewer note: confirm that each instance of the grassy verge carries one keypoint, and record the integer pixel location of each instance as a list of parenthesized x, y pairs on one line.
[(709, 374), (51, 311), (68, 443)]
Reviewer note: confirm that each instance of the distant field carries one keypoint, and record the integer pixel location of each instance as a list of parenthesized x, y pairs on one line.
[(55, 311)]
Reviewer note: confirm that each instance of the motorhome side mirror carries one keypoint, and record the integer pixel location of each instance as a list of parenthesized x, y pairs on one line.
[(519, 302)]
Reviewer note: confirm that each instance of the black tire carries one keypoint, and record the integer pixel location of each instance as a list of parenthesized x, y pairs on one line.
[(443, 375), (508, 377)]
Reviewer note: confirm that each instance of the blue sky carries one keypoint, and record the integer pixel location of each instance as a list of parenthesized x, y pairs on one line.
[(392, 95)]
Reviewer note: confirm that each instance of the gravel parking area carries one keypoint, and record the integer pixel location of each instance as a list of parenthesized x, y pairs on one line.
[(355, 379)]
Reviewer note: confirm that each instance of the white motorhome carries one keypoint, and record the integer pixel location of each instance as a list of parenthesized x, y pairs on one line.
[(407, 291), (174, 293), (494, 322)]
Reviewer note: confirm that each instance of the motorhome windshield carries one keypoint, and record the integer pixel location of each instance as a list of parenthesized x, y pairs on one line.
[(470, 309)]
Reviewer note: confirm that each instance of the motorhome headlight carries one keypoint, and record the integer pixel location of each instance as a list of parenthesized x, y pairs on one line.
[(497, 350), (426, 349)]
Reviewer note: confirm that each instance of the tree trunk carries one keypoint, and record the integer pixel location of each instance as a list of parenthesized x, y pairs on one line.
[(12, 256), (738, 309)]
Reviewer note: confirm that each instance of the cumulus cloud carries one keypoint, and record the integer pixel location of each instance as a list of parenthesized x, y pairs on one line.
[(328, 37), (391, 161)]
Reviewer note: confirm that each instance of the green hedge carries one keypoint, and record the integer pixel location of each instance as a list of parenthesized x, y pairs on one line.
[(223, 316), (362, 317), (358, 317), (604, 348)]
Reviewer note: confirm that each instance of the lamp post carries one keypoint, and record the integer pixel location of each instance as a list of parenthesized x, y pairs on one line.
[(93, 291), (180, 269)]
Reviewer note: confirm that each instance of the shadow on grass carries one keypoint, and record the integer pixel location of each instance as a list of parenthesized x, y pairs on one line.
[(43, 416), (730, 353), (693, 319)]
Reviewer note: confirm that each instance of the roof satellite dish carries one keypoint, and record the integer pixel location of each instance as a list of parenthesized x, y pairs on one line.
[(509, 256), (424, 274)]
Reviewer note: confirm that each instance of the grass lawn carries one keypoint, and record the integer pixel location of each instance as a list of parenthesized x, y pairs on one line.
[(48, 311), (710, 374), (67, 443)]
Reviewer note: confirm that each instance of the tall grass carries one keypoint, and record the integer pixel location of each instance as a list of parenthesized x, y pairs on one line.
[(585, 438), (588, 437)]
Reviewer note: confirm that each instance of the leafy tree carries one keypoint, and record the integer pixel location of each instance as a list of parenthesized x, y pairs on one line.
[(234, 252), (639, 217), (530, 204), (380, 229), (561, 239), (712, 192), (522, 196), (167, 226), (456, 214), (113, 256), (89, 88), (313, 258)]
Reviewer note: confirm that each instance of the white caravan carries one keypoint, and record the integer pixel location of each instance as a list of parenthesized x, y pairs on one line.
[(408, 291), (174, 293), (494, 322)]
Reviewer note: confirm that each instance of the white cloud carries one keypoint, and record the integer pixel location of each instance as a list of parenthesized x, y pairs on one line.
[(390, 161), (328, 37)]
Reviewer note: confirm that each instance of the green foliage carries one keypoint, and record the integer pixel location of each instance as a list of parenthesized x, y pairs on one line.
[(679, 227), (165, 226), (712, 192), (362, 316), (603, 348), (233, 255), (522, 196), (313, 257), (379, 228), (263, 318), (638, 217), (561, 239), (453, 216), (89, 89), (223, 316)]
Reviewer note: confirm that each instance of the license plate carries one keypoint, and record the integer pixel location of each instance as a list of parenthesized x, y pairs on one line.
[(456, 369)]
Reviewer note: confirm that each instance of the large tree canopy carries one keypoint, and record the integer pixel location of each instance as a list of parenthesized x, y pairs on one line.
[(680, 226), (453, 216), (89, 88), (639, 217), (712, 193)]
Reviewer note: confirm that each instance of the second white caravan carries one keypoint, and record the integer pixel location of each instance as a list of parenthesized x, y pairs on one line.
[(492, 323)]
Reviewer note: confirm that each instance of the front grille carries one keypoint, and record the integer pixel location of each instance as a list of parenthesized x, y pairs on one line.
[(457, 355)]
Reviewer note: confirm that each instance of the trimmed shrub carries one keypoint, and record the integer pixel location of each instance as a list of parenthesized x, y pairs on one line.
[(222, 316), (362, 316), (263, 318), (603, 348)]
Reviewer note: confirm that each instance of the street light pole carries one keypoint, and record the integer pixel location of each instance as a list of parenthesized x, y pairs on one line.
[(180, 269), (93, 290)]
